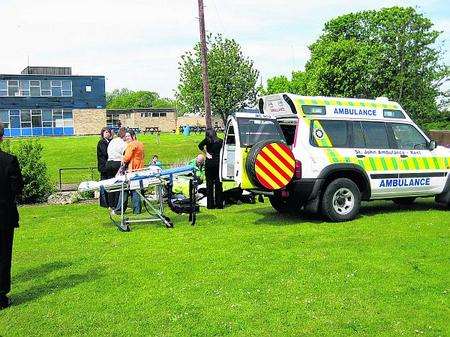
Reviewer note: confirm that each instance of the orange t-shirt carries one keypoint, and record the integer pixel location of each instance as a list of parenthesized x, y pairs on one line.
[(134, 155)]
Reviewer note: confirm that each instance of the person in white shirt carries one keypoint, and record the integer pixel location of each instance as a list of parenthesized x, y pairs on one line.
[(116, 150)]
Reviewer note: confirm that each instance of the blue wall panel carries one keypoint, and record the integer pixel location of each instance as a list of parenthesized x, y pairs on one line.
[(68, 131), (48, 131), (15, 132), (58, 131), (26, 132), (37, 131), (81, 99)]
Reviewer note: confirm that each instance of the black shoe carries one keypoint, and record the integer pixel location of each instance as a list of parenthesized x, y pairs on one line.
[(4, 302)]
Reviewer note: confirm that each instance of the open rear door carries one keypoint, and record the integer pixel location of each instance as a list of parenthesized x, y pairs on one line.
[(231, 152)]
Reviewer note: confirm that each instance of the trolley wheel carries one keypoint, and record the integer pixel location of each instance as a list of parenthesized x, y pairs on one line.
[(123, 226), (168, 222)]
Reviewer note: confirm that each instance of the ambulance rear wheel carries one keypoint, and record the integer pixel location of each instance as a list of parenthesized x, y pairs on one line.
[(404, 201), (341, 200), (285, 205)]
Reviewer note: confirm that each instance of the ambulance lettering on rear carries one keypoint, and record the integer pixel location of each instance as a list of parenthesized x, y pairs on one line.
[(356, 112), (404, 182)]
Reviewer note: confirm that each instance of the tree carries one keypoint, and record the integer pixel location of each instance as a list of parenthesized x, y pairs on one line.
[(232, 78), (128, 99), (392, 52)]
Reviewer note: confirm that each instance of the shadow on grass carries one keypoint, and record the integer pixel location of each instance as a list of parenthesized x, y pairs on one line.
[(388, 207), (273, 218), (40, 271), (54, 285), (177, 219)]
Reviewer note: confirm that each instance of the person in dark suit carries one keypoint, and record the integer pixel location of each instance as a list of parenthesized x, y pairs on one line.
[(102, 158), (211, 145), (11, 183)]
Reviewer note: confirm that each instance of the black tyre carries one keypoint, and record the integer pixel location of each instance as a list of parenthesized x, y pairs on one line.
[(285, 205), (404, 201), (341, 200)]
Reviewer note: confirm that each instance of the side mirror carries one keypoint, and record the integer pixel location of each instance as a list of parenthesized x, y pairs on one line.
[(432, 145)]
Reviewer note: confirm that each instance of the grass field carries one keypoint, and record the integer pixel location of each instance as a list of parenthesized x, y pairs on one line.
[(242, 271), (64, 152)]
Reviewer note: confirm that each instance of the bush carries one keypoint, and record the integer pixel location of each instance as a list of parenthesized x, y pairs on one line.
[(37, 186)]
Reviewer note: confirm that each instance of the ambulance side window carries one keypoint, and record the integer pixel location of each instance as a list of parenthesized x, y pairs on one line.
[(407, 137), (376, 135), (327, 133), (357, 136)]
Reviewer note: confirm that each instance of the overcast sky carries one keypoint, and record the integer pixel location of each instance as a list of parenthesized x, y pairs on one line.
[(137, 43)]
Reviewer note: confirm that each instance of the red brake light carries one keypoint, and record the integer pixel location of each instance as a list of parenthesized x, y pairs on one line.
[(298, 169)]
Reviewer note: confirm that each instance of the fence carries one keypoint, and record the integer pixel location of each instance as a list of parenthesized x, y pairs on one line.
[(75, 175)]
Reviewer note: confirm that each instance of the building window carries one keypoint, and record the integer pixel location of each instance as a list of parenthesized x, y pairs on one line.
[(24, 88), (35, 88), (162, 114), (25, 118), (4, 117), (46, 89), (36, 118), (66, 88), (13, 88), (58, 118), (3, 88)]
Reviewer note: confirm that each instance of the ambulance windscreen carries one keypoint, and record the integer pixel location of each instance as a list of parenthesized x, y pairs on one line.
[(252, 131)]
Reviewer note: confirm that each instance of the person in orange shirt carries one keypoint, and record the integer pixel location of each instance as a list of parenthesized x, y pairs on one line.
[(134, 152), (133, 159)]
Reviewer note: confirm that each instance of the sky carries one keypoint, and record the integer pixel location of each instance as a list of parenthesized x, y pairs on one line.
[(136, 44)]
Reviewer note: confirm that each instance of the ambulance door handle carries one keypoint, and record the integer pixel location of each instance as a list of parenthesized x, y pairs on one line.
[(360, 156), (403, 156)]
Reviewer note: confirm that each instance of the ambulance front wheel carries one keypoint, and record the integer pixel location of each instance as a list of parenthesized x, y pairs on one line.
[(341, 200)]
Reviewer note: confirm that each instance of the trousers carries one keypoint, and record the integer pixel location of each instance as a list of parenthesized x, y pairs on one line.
[(6, 244), (214, 198)]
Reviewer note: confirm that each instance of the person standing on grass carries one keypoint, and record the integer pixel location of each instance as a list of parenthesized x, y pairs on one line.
[(116, 149), (102, 158), (212, 145), (11, 183), (134, 161)]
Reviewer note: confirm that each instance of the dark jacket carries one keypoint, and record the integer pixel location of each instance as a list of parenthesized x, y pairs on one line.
[(11, 186), (102, 154), (213, 148)]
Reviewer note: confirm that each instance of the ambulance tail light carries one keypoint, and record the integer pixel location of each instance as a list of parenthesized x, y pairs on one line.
[(298, 169)]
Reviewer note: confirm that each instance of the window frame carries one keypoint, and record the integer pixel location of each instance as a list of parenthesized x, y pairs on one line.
[(390, 130), (311, 136)]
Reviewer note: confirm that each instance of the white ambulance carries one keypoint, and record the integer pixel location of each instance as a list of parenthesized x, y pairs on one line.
[(328, 154)]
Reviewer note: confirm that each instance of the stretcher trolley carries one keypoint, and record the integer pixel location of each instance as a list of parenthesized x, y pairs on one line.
[(154, 187)]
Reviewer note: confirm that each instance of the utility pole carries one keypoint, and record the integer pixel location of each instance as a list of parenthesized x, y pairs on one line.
[(206, 96)]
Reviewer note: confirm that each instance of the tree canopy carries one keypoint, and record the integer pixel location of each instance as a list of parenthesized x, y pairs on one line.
[(392, 52), (232, 78), (128, 99)]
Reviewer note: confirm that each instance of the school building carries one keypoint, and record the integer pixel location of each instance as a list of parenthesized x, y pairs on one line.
[(50, 101)]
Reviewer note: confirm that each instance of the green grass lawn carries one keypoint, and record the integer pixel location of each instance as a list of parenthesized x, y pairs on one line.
[(64, 152), (242, 271)]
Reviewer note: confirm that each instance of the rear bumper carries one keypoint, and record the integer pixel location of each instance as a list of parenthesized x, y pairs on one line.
[(307, 188)]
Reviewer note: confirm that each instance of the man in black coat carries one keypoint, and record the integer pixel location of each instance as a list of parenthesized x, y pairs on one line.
[(11, 184)]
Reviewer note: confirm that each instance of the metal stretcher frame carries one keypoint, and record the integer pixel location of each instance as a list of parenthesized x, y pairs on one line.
[(155, 210)]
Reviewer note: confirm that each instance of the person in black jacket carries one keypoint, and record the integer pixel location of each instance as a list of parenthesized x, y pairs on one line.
[(102, 158), (11, 183), (212, 145)]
